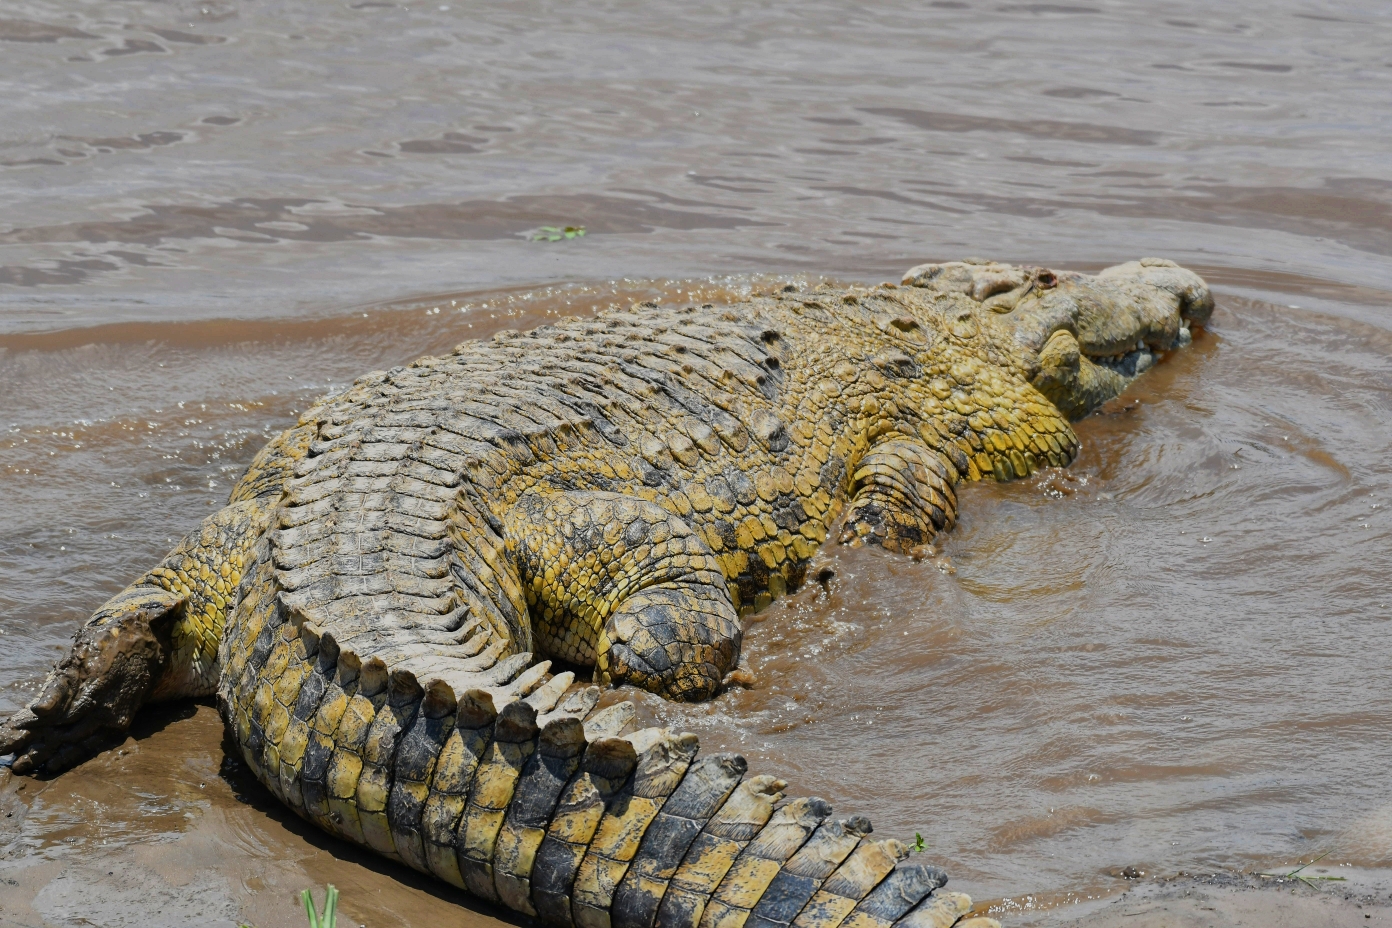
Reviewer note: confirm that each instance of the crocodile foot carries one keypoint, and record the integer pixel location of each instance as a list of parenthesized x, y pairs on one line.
[(88, 700)]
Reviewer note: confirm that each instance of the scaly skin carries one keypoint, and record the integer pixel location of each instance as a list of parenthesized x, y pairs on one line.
[(614, 493)]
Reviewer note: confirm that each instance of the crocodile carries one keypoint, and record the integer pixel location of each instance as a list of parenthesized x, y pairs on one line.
[(612, 494)]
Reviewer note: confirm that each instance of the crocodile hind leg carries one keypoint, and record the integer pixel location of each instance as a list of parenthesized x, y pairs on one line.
[(901, 496), (157, 639), (624, 585)]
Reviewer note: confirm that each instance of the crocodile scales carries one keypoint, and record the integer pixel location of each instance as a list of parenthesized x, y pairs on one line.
[(613, 493)]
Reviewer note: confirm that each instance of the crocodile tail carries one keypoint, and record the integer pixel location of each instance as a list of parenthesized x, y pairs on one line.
[(522, 795)]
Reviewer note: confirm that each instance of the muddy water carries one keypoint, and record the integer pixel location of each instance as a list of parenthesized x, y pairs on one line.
[(1175, 656)]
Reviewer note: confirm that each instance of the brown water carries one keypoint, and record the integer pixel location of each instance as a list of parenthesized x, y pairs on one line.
[(1175, 656)]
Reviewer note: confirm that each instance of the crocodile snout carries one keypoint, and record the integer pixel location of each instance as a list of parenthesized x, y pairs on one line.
[(1084, 337)]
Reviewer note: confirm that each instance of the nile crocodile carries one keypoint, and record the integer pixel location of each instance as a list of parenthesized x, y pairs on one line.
[(613, 493)]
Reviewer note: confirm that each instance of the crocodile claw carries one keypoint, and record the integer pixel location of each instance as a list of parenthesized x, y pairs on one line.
[(63, 738), (88, 700), (13, 739)]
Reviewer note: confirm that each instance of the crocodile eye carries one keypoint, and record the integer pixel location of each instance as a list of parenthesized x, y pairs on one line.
[(961, 322)]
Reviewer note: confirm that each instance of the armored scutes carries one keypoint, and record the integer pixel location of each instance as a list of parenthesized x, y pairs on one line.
[(614, 493)]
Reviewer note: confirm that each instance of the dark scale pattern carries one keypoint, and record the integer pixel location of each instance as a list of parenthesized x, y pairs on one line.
[(614, 492)]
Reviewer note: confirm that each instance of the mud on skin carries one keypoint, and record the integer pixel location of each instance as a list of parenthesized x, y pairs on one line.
[(615, 494)]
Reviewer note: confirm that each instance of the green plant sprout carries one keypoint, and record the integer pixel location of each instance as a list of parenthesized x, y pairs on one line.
[(1308, 880), (557, 233), (918, 844), (330, 916)]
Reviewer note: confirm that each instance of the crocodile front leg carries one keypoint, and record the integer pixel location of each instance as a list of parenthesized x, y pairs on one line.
[(157, 639), (624, 585), (901, 496)]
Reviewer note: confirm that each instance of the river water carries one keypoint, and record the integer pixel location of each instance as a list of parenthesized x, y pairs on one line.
[(1176, 656)]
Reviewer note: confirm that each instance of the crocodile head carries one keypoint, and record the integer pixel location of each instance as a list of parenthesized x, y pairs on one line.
[(1083, 338)]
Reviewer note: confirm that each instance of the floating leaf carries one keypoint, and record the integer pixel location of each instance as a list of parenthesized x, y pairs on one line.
[(557, 233)]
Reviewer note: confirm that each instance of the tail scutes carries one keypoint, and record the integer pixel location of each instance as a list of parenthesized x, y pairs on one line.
[(523, 793)]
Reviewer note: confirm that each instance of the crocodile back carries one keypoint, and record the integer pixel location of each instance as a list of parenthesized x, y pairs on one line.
[(389, 535)]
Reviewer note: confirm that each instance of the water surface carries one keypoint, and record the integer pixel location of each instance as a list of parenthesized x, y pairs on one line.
[(1173, 656)]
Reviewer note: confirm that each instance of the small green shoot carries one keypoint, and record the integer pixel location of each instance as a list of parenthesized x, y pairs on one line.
[(330, 915), (918, 845), (1309, 880), (1303, 866), (557, 233)]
